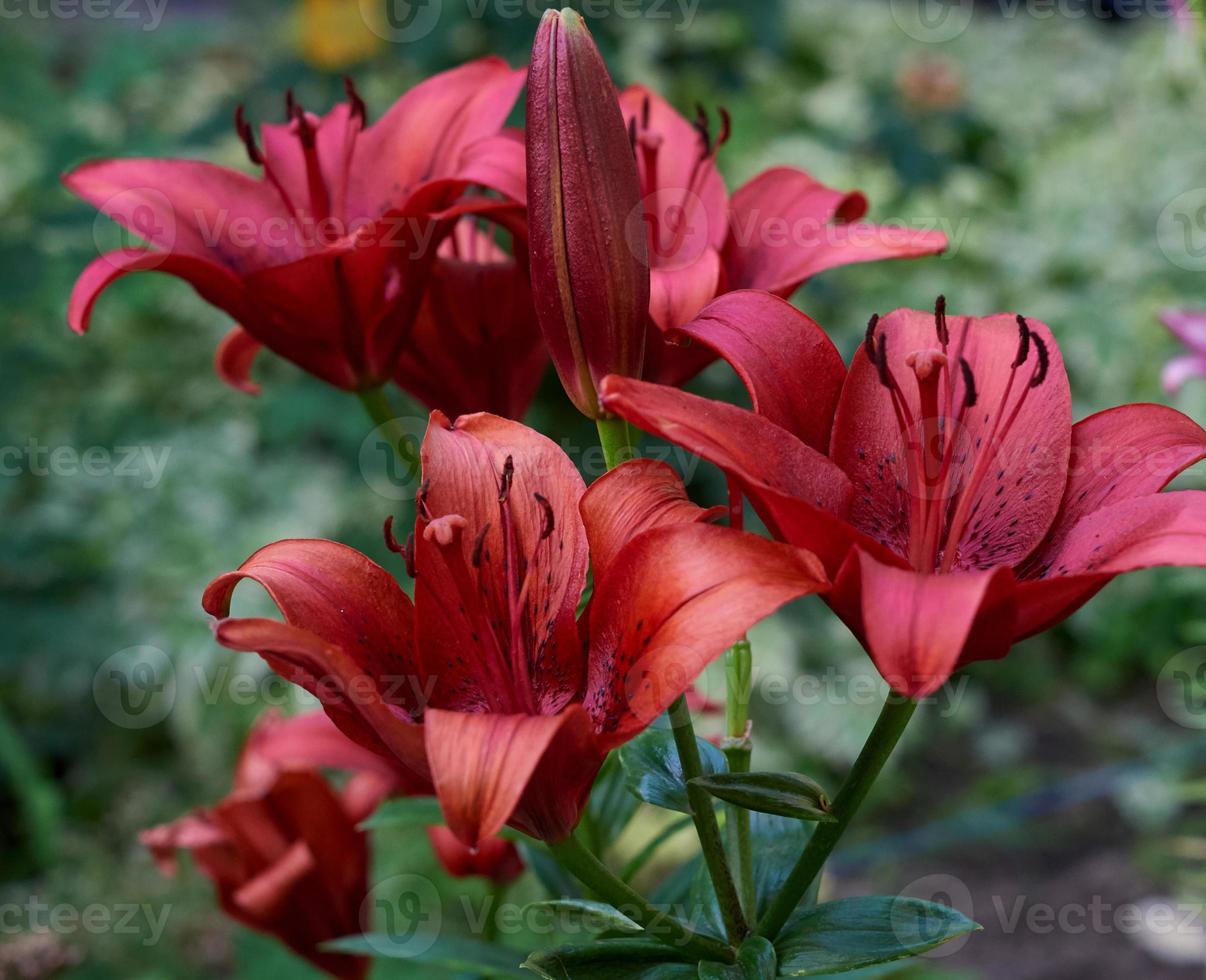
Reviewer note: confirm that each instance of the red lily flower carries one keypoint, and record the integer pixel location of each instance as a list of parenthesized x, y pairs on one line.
[(488, 685), (475, 345), (282, 849), (323, 259), (589, 274), (495, 859), (958, 508)]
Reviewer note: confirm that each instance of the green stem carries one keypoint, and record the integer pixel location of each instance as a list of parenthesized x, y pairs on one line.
[(588, 869), (738, 749), (704, 814), (498, 894), (616, 439), (377, 405), (879, 745)]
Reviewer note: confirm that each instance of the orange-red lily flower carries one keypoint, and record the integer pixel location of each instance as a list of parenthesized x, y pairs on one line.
[(488, 686), (941, 480), (323, 259)]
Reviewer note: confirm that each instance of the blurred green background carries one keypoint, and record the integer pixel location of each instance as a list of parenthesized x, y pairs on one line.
[(1048, 146)]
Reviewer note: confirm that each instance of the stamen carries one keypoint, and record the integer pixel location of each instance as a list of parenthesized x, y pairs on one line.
[(703, 127), (390, 541), (547, 529), (247, 135), (1023, 342), (869, 339), (632, 134), (508, 474), (944, 334), (881, 362), (1044, 360), (645, 107), (359, 109), (290, 104), (726, 126), (408, 556), (476, 558), (970, 397)]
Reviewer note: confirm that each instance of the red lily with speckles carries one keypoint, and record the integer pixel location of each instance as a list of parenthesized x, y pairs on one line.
[(323, 260), (941, 480), (487, 686)]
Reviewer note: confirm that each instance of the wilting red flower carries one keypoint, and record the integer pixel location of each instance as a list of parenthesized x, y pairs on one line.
[(322, 260), (283, 849), (951, 498), (476, 345), (496, 859), (590, 277), (1189, 326), (488, 685)]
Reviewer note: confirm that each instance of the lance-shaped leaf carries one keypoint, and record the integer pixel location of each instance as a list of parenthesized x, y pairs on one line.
[(858, 932), (612, 959), (785, 794), (654, 773), (756, 960), (589, 264), (459, 954), (583, 915)]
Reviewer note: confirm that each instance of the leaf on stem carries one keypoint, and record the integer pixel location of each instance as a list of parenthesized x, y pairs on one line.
[(612, 959), (785, 794), (653, 773)]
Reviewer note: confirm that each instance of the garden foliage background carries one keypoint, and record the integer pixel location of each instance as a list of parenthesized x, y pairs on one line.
[(1047, 147)]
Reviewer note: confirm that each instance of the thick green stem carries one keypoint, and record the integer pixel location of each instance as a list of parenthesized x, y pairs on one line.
[(575, 858), (879, 745), (377, 405), (616, 439), (738, 749), (703, 812)]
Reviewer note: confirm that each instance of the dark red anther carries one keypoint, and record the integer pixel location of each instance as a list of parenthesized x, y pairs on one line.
[(305, 132), (508, 474), (359, 109), (1023, 342), (645, 107), (290, 104), (869, 340), (247, 135), (726, 126), (1044, 360), (703, 128), (944, 333), (970, 396), (632, 133), (547, 529), (881, 362), (390, 541), (475, 559)]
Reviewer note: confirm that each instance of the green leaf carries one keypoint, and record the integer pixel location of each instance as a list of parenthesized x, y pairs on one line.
[(406, 811), (460, 953), (652, 771), (857, 932), (778, 842), (786, 794), (612, 959), (558, 882), (611, 805), (755, 961), (587, 916)]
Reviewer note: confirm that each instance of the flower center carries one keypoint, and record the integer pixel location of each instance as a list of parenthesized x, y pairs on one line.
[(946, 468), (668, 209), (493, 588)]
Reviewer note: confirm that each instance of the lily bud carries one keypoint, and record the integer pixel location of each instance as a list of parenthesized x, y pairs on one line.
[(590, 273)]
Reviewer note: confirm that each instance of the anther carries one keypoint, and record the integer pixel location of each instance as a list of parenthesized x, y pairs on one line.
[(305, 132), (247, 135), (290, 104), (547, 508), (476, 558), (508, 474), (390, 541), (1044, 360), (969, 384), (726, 126), (632, 133), (944, 334), (1023, 342), (703, 127), (869, 340), (645, 107), (359, 109), (881, 362)]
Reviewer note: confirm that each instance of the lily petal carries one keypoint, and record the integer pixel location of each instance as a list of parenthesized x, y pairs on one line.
[(787, 362), (465, 585), (674, 599), (498, 162), (1142, 532), (787, 226), (916, 625), (677, 293), (1121, 453), (214, 282), (481, 764), (236, 353), (1189, 326), (636, 496), (1182, 369)]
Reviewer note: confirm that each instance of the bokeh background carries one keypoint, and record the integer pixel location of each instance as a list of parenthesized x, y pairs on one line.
[(1055, 143)]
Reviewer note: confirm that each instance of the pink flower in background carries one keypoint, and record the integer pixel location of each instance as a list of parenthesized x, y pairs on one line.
[(1189, 326)]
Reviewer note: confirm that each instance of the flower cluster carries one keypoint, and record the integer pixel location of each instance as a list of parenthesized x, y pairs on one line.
[(935, 493)]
